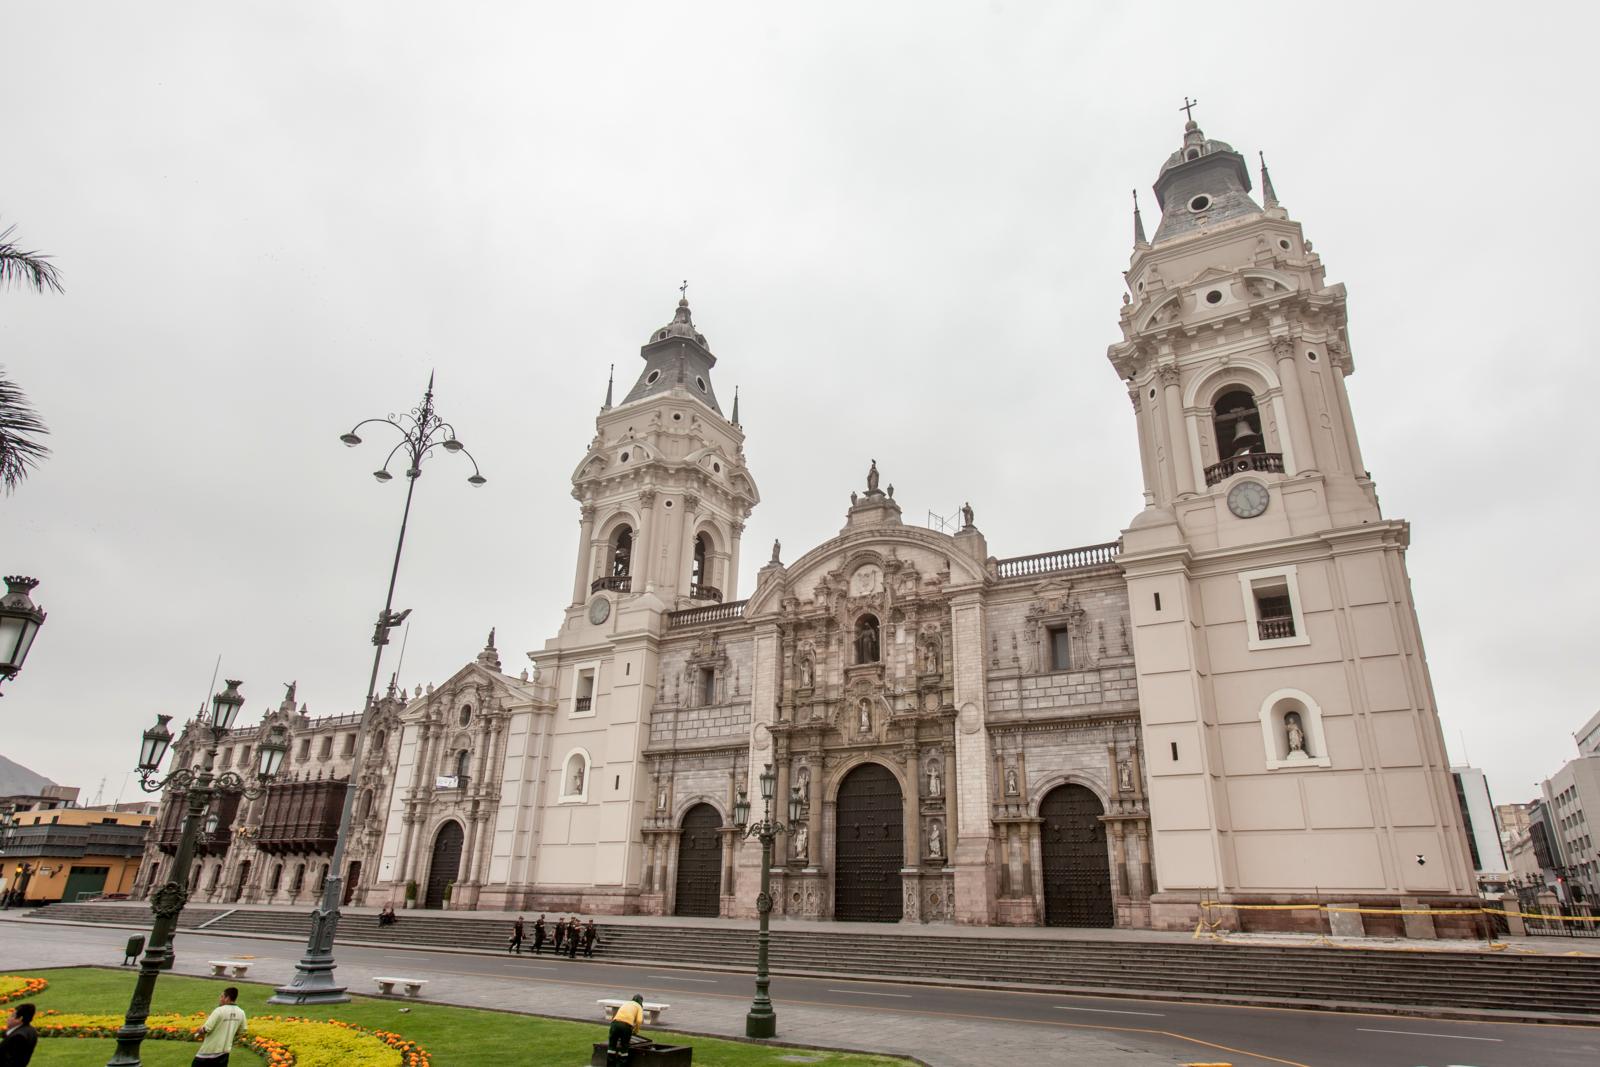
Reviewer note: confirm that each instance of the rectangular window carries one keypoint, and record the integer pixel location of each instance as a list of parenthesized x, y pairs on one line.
[(227, 757), (305, 748), (327, 748), (708, 686), (244, 756), (349, 744), (1060, 649), (1273, 614), (583, 690)]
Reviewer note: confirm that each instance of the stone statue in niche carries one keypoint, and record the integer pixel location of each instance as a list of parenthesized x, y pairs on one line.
[(800, 842), (806, 676), (1125, 776), (865, 724), (935, 780), (803, 780), (661, 799), (1295, 734), (935, 839), (930, 655), (577, 777), (1011, 781)]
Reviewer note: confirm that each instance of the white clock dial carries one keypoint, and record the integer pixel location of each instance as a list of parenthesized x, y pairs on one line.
[(1248, 499), (599, 610)]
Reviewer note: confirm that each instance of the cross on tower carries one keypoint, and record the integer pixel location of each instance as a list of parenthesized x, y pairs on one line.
[(1188, 107), (683, 290)]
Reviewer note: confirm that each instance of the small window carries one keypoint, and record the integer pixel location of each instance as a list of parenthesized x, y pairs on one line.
[(276, 881), (708, 686), (1060, 649), (1273, 613), (244, 756), (1214, 296), (349, 745), (305, 748), (583, 694), (327, 748), (701, 382), (1199, 203), (1193, 153), (466, 714), (650, 379), (463, 761), (1274, 610), (227, 757)]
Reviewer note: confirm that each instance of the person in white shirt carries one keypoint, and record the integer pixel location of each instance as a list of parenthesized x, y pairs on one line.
[(224, 1025)]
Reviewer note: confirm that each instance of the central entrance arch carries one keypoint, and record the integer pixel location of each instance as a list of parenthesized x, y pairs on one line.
[(699, 884), (1077, 871), (446, 863), (869, 847)]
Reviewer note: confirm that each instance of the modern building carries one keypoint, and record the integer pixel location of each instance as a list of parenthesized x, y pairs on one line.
[(1571, 796), (1588, 736), (71, 853), (1483, 831), (1227, 704)]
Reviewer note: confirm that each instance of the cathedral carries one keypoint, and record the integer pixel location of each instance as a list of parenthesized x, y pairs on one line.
[(1228, 706)]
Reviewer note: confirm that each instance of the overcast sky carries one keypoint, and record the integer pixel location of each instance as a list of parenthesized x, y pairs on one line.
[(903, 226)]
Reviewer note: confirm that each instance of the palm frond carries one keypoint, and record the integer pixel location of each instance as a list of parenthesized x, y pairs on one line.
[(20, 426), (28, 268)]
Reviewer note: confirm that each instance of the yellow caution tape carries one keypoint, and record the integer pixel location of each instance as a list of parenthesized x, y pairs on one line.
[(1342, 909)]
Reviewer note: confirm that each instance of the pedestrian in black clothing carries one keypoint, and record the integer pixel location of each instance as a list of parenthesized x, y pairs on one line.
[(538, 936), (590, 936), (574, 935), (515, 945), (561, 934), (16, 1048)]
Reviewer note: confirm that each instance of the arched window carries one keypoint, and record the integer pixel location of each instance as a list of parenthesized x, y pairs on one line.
[(365, 807), (1237, 421), (378, 740), (277, 879), (299, 880), (466, 714), (621, 553), (463, 760), (697, 573), (867, 639)]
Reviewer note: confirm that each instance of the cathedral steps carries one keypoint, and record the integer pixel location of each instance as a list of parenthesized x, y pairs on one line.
[(1488, 985)]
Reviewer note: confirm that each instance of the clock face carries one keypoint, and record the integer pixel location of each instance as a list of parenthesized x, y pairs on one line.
[(1248, 499), (599, 610)]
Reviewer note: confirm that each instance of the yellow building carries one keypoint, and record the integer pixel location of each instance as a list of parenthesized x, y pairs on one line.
[(71, 854)]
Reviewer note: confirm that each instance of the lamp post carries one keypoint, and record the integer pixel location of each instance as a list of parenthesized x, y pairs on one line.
[(199, 787), (421, 431), (20, 619), (762, 1021)]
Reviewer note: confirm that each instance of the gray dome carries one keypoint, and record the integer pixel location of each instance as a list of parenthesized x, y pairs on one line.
[(680, 326)]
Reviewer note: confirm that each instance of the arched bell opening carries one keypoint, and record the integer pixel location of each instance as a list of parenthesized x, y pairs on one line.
[(1237, 421)]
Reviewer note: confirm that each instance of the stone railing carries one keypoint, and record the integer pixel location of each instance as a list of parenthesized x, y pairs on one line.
[(705, 592), (678, 620), (617, 583), (1260, 462), (1274, 629), (1067, 559)]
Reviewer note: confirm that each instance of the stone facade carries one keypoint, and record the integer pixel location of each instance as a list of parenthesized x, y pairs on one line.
[(1226, 706)]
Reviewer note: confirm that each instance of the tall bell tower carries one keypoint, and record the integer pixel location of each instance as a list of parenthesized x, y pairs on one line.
[(1294, 745), (663, 492)]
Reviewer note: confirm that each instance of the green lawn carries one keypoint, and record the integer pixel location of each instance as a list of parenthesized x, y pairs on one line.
[(456, 1037)]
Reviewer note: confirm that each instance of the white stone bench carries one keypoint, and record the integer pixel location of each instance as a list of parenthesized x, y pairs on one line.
[(413, 985), (651, 1011), (220, 968)]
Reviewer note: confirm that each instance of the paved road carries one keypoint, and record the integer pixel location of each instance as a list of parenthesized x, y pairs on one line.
[(941, 1025)]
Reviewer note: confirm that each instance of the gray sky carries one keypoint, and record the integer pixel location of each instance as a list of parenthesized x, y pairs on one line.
[(904, 227)]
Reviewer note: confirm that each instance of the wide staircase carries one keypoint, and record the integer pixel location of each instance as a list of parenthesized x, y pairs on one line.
[(1491, 983)]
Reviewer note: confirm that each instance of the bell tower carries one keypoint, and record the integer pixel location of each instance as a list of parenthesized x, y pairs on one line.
[(663, 492), (1294, 745)]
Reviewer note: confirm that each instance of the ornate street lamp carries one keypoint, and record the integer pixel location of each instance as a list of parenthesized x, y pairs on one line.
[(762, 1021), (198, 787), (421, 431), (20, 619)]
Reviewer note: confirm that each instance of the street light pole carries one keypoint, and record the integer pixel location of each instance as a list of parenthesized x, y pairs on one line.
[(199, 788), (20, 619), (762, 1021), (421, 431)]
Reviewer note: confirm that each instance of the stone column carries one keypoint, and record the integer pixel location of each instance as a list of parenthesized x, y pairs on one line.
[(780, 803), (970, 851), (691, 514), (952, 820), (1298, 415), (1146, 453), (1340, 361), (730, 591), (580, 583), (1178, 458), (669, 877), (645, 542)]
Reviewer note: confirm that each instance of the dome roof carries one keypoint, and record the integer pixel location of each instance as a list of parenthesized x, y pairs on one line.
[(682, 325)]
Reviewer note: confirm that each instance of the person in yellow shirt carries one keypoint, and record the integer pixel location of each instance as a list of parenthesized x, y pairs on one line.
[(624, 1024)]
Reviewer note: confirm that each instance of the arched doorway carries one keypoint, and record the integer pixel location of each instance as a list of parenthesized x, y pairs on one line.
[(869, 847), (446, 863), (242, 881), (699, 885), (1077, 871)]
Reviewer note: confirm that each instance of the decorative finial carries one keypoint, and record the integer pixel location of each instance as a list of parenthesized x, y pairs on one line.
[(1269, 195), (736, 405), (1188, 108), (1138, 223), (610, 379)]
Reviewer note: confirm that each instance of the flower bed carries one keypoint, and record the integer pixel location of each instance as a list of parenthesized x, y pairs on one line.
[(282, 1041), (15, 987)]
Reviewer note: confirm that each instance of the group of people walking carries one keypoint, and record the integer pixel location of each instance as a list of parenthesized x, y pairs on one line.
[(569, 936)]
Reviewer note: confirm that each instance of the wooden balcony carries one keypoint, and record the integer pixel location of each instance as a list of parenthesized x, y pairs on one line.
[(1259, 462)]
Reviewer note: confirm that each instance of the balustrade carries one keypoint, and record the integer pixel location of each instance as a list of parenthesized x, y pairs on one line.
[(617, 583), (1065, 559), (1260, 462)]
